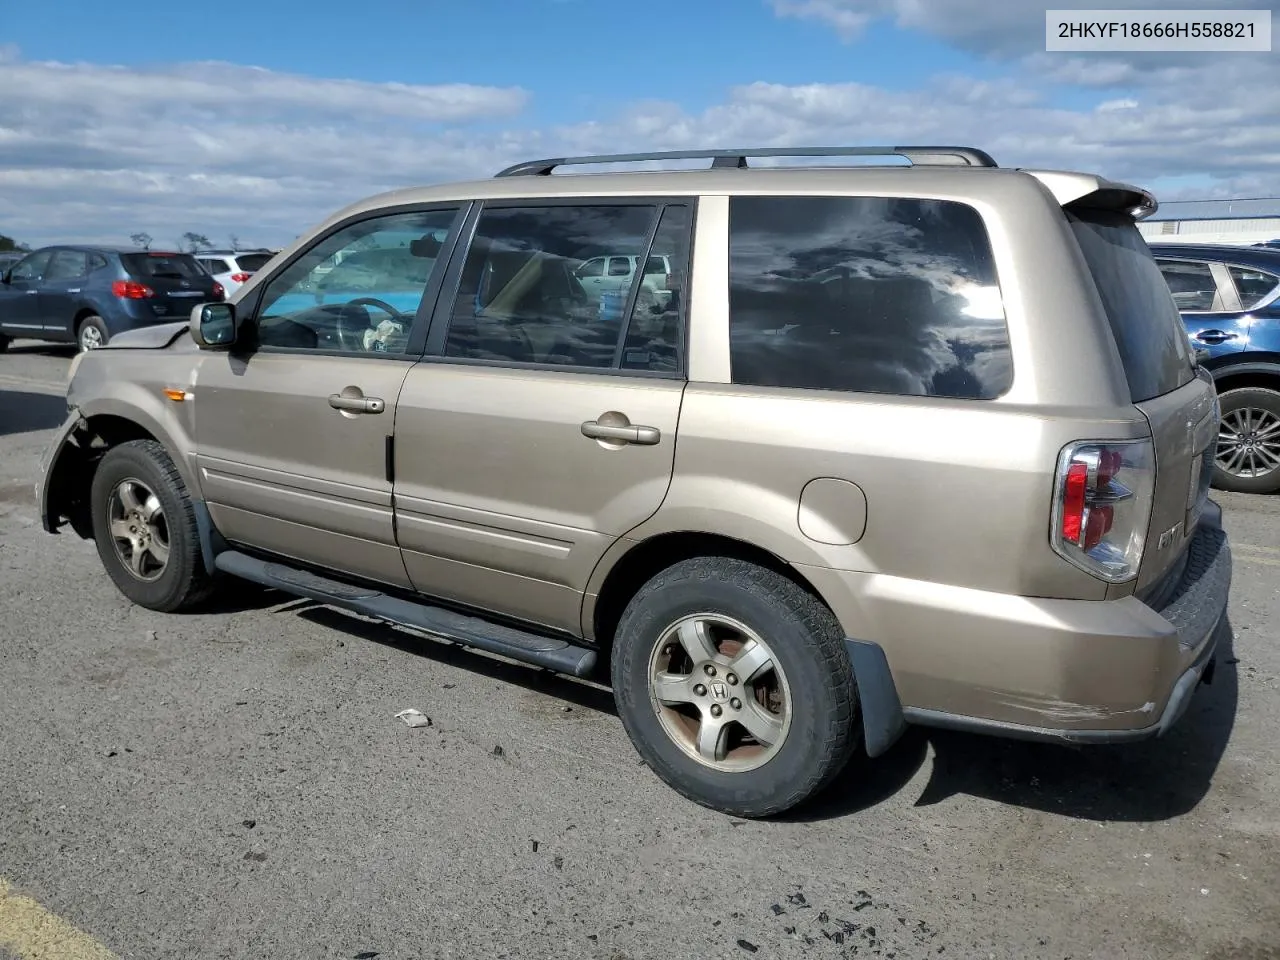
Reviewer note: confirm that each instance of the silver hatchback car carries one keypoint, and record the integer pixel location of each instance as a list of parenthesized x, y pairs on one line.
[(859, 447)]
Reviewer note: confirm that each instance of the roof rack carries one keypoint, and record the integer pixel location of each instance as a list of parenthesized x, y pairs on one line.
[(737, 159)]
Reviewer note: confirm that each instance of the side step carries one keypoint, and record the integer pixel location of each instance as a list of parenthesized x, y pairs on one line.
[(549, 652)]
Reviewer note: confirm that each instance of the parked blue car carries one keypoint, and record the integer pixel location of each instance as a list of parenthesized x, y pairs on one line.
[(87, 295), (1229, 298)]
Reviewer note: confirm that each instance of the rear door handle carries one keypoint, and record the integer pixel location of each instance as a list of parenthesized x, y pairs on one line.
[(624, 432), (1215, 336), (357, 404)]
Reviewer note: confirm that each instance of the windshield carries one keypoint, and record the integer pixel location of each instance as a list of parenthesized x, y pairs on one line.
[(1145, 322)]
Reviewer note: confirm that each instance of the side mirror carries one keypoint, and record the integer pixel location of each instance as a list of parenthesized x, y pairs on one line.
[(214, 326), (4, 277)]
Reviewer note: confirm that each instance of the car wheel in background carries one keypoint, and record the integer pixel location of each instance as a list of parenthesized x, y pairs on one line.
[(145, 528), (4, 342), (735, 686), (92, 333), (1248, 457)]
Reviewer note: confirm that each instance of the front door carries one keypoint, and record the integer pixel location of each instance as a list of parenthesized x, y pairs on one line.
[(60, 292), (20, 297), (540, 427), (293, 429)]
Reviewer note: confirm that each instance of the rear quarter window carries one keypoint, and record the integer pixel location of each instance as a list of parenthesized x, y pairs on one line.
[(865, 294), (1254, 286), (1145, 322)]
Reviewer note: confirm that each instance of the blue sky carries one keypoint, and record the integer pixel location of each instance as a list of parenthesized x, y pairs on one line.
[(620, 52), (261, 119)]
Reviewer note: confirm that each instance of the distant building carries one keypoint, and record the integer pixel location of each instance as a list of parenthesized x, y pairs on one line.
[(1214, 221)]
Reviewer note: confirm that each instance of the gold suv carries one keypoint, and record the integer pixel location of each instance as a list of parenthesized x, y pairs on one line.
[(825, 451)]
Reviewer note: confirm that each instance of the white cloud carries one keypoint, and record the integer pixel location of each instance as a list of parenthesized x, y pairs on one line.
[(95, 153)]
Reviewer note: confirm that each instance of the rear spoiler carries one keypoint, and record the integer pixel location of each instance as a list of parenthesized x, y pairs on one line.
[(1078, 191)]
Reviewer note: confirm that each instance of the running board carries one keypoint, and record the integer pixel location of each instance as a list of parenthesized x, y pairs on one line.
[(539, 651)]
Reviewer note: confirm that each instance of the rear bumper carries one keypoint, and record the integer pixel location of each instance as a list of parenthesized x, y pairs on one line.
[(1175, 706), (1080, 671)]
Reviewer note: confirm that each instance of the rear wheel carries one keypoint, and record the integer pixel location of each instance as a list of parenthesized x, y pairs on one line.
[(4, 342), (145, 528), (1248, 456), (735, 686), (92, 333)]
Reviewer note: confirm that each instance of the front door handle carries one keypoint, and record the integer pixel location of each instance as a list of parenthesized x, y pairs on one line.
[(621, 431), (1214, 336), (32, 293), (349, 404)]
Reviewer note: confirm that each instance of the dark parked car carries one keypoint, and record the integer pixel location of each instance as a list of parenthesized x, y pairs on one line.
[(87, 295), (1230, 302)]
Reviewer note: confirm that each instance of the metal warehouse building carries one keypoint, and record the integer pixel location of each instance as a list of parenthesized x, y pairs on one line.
[(1214, 221)]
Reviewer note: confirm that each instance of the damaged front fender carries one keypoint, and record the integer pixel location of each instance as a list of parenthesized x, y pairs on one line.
[(63, 462)]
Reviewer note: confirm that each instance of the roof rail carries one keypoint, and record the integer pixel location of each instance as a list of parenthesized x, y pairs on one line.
[(964, 156)]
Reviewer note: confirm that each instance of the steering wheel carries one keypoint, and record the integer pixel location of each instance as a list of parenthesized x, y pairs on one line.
[(353, 340)]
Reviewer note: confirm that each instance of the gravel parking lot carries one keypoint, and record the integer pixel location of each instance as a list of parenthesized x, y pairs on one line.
[(236, 784)]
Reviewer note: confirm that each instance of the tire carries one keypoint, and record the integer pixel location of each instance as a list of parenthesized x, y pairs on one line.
[(145, 470), (1251, 424), (91, 333), (5, 340), (816, 727)]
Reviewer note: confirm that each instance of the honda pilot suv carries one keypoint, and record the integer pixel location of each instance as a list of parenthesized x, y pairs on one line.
[(898, 445)]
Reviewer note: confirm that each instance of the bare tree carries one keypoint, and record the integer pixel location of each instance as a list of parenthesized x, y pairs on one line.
[(141, 239), (196, 241), (235, 241)]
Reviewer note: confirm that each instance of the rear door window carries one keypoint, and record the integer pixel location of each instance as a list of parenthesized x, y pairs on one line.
[(68, 265), (523, 295), (1144, 319), (1192, 285), (865, 294)]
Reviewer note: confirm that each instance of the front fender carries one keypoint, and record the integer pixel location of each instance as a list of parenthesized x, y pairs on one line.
[(146, 408)]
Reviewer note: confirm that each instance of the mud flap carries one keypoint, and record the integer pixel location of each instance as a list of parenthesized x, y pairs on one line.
[(882, 719)]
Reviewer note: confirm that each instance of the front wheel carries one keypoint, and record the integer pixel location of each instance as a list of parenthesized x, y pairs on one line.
[(145, 528), (735, 686), (1248, 456)]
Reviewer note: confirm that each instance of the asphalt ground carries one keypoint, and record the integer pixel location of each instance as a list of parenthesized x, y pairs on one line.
[(235, 784)]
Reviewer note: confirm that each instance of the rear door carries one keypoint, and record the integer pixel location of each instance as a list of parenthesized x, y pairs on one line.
[(1209, 303), (539, 428), (60, 293), (176, 280), (1180, 405)]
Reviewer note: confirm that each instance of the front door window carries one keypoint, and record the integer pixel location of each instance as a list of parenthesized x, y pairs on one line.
[(359, 289)]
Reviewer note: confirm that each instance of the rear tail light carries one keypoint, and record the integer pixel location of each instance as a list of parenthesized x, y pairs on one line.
[(241, 277), (218, 291), (1102, 506), (131, 290)]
